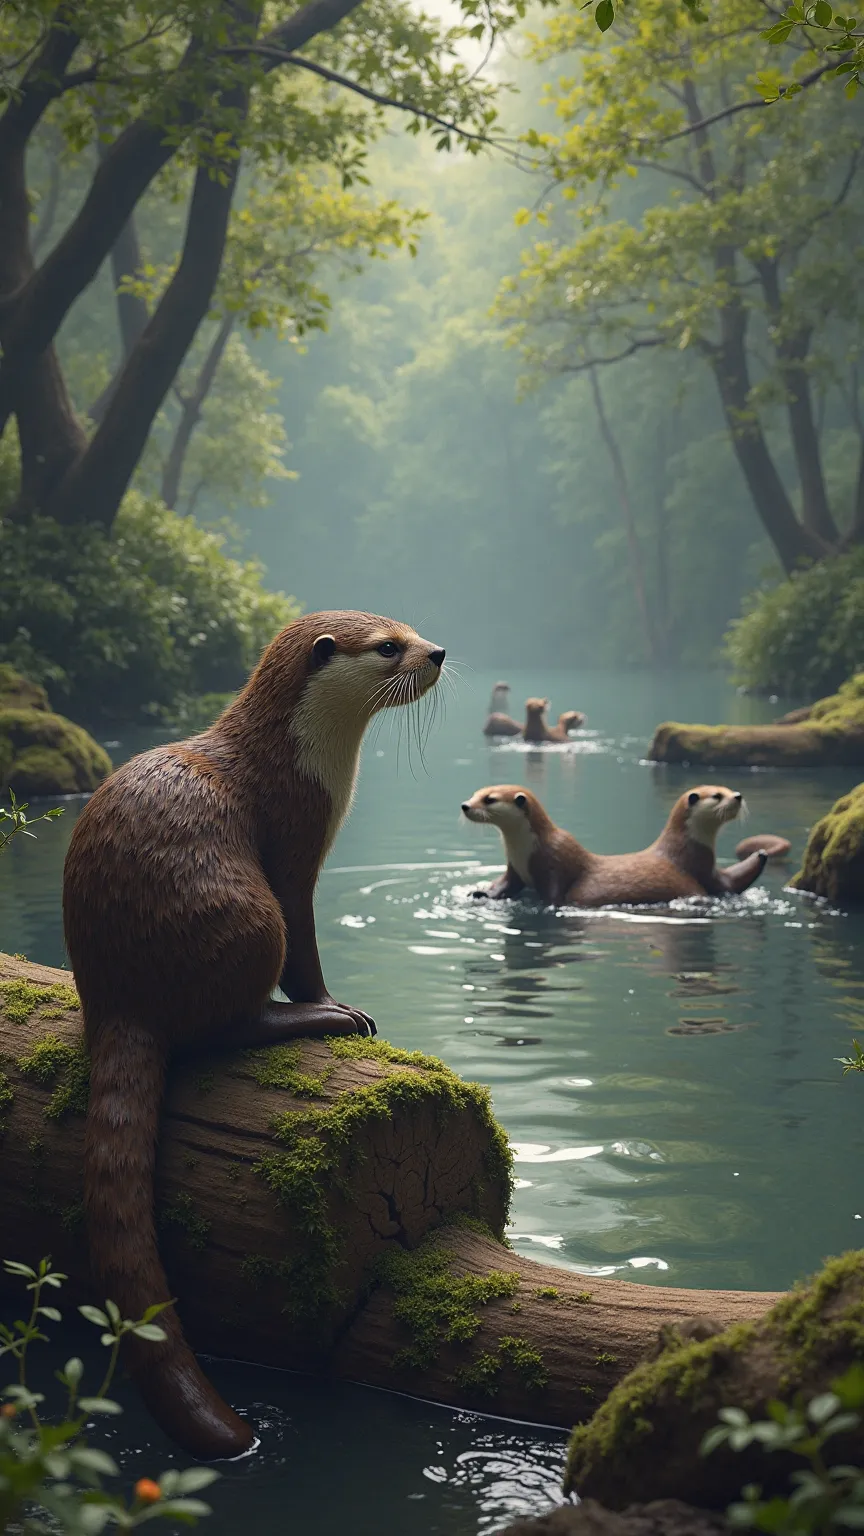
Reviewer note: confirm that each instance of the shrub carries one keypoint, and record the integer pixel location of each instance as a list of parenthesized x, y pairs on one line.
[(123, 624), (806, 635)]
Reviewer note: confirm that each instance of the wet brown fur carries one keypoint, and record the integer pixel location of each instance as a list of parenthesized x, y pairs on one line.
[(772, 846), (561, 870), (187, 897), (535, 728)]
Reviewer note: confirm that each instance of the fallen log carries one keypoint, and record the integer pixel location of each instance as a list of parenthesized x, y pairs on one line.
[(829, 733), (331, 1206)]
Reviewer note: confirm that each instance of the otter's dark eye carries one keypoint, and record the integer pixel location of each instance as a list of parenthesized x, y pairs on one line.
[(489, 799), (717, 796), (389, 648)]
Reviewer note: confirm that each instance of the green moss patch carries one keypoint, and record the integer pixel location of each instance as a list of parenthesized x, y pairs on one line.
[(825, 1317), (513, 1354), (52, 1058), (278, 1066), (7, 1098), (437, 1306), (182, 1213), (834, 857), (45, 754), (626, 1415), (318, 1146), (20, 999)]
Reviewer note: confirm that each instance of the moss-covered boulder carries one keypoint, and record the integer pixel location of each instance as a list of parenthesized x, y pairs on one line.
[(830, 732), (644, 1442), (834, 857), (42, 753)]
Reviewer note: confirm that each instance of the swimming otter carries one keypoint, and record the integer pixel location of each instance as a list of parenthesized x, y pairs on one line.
[(187, 897), (498, 722), (680, 863), (535, 727)]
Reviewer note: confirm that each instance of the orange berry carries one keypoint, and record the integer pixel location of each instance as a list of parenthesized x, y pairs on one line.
[(146, 1491), (8, 1411)]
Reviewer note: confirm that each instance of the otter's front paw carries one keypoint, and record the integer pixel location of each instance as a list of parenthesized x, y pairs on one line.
[(479, 895)]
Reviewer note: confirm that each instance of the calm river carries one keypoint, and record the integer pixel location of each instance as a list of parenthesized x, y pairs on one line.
[(667, 1079)]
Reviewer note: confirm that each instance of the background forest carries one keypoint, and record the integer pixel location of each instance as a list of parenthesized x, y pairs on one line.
[(579, 395)]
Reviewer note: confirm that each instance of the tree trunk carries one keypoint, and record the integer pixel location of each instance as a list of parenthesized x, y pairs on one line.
[(335, 1259), (49, 432), (95, 486), (622, 485), (132, 311), (791, 354), (792, 541), (190, 413)]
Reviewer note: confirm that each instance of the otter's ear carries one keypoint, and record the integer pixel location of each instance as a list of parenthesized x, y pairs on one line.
[(322, 650), (692, 798), (520, 800)]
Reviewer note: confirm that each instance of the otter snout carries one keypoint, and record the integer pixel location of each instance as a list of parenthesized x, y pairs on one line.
[(436, 656)]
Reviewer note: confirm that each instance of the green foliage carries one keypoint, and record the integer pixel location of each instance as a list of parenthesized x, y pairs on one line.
[(52, 1058), (852, 1063), (804, 635), (823, 1499), (14, 821), (50, 1477), (122, 625)]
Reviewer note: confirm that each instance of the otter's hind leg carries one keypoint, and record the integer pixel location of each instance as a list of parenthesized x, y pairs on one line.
[(739, 876)]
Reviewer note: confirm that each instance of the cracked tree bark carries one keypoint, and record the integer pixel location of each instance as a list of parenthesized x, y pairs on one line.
[(239, 1260)]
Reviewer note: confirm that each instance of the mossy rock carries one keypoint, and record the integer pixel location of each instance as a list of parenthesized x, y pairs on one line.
[(18, 691), (45, 754), (834, 857), (644, 1441), (830, 734)]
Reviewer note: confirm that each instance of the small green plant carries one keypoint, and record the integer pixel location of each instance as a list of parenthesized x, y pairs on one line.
[(48, 1469), (822, 1499), (852, 1063), (16, 820)]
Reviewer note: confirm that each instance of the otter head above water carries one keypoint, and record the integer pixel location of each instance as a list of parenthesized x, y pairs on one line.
[(702, 811)]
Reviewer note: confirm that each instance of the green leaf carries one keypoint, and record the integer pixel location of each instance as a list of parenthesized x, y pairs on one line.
[(94, 1315), (19, 1269), (51, 1312), (851, 89), (99, 1405), (73, 1370), (195, 1478), (150, 1331), (605, 14), (823, 15), (92, 1460), (821, 1408), (779, 32)]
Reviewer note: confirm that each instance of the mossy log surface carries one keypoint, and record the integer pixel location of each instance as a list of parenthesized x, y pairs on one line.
[(829, 733), (643, 1443), (834, 857), (334, 1206)]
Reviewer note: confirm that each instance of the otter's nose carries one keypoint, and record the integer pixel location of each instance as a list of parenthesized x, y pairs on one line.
[(466, 805), (437, 656), (737, 797)]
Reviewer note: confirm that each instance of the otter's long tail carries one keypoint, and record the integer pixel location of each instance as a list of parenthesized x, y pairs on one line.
[(127, 1076)]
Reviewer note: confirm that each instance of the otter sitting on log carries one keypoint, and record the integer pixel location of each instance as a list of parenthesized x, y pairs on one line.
[(498, 722), (535, 727), (680, 863), (187, 898)]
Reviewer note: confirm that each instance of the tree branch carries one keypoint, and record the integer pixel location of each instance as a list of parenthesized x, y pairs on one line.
[(131, 164), (617, 357), (280, 56), (750, 105), (190, 412)]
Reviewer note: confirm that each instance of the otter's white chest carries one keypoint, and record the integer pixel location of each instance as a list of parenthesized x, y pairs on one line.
[(330, 755), (519, 844)]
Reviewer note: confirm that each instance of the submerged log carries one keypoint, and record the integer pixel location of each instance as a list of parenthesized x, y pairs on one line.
[(333, 1206), (829, 733)]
